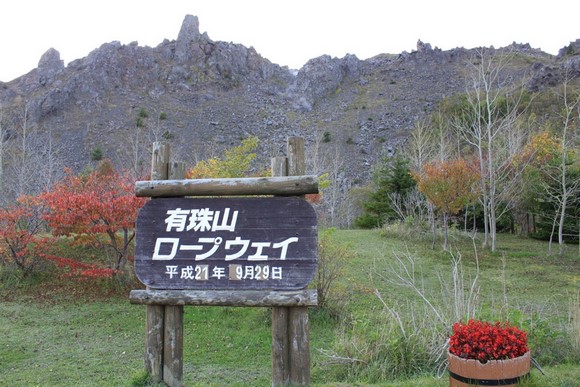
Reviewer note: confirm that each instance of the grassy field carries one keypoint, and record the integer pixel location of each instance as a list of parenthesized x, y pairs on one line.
[(61, 332)]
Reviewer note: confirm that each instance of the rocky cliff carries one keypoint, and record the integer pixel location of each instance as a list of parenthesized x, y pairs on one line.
[(204, 95)]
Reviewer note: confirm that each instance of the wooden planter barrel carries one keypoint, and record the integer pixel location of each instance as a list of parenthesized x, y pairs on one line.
[(470, 372)]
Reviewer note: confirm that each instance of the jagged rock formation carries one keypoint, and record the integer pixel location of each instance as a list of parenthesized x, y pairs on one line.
[(205, 95)]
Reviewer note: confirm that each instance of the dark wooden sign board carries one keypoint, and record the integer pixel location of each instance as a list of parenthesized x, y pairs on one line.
[(249, 243)]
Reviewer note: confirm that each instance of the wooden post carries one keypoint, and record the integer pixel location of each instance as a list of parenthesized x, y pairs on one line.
[(173, 346), (160, 161), (176, 171), (290, 325), (280, 344), (296, 157), (154, 341), (299, 339), (279, 166), (164, 327), (155, 326), (298, 324), (173, 329)]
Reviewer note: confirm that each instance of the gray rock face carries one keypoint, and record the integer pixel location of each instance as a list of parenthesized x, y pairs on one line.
[(570, 50), (322, 76), (50, 62), (214, 93), (187, 45)]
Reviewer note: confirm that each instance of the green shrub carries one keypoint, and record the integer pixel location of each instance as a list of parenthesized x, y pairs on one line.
[(332, 257), (97, 154), (143, 113), (167, 135), (367, 221), (374, 349)]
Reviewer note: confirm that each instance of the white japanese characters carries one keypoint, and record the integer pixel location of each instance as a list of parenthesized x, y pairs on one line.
[(198, 244), (208, 246), (231, 272), (200, 220)]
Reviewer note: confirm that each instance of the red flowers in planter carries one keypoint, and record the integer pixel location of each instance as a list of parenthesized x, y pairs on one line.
[(485, 341)]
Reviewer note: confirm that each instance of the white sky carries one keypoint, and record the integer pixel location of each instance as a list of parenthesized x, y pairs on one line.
[(285, 32)]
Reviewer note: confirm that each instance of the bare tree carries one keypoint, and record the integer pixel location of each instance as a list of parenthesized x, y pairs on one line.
[(134, 149), (329, 160), (562, 188), (421, 145), (493, 131), (29, 160)]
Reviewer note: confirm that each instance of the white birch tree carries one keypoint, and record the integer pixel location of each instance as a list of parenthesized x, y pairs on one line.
[(494, 109)]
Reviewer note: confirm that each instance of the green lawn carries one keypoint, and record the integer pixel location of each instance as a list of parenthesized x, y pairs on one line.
[(65, 333)]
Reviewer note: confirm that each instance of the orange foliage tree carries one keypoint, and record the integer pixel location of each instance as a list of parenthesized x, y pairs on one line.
[(99, 208), (449, 185), (21, 243), (541, 149)]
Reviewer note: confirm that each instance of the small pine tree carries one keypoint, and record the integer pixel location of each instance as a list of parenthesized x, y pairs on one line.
[(392, 176), (97, 154)]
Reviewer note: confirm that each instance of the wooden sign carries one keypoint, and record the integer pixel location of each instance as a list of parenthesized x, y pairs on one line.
[(226, 243)]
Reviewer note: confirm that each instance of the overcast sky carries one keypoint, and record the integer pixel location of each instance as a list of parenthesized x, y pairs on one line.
[(286, 32)]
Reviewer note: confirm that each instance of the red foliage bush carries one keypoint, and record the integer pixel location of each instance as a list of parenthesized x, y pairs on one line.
[(485, 341)]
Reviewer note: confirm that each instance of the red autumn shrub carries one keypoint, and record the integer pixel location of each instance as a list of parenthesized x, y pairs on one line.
[(485, 341), (21, 242), (97, 209)]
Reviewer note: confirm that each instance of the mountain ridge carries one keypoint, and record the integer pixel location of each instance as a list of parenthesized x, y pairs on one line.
[(204, 96)]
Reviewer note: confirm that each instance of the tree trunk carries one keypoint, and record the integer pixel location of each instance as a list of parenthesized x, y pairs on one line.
[(445, 231), (561, 225)]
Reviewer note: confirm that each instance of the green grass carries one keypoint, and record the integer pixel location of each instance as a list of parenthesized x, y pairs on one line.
[(61, 332)]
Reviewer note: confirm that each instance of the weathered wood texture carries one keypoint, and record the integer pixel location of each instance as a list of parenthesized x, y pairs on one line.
[(290, 326), (176, 171), (280, 336), (252, 298), (299, 357), (173, 346), (246, 254), (164, 326), (160, 161), (279, 166), (154, 342), (280, 347), (296, 158), (288, 185)]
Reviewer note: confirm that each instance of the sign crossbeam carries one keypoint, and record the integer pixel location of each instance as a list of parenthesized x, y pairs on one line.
[(250, 298), (281, 185)]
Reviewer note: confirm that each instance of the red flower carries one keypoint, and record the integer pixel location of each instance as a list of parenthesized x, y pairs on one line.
[(485, 341)]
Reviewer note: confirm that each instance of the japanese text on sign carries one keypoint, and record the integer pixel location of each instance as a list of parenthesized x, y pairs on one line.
[(202, 220)]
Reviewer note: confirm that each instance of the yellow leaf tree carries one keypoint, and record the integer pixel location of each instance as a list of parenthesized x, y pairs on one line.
[(236, 162)]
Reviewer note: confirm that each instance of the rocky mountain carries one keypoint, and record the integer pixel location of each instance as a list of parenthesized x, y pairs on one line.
[(204, 96)]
